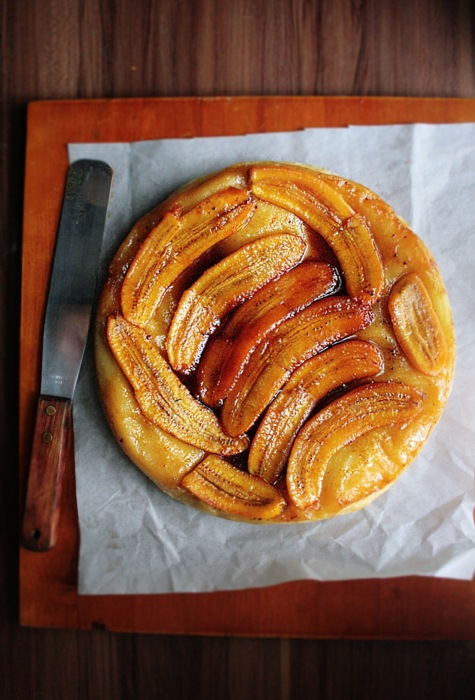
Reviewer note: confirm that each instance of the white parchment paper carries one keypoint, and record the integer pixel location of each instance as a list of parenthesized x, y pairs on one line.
[(134, 539)]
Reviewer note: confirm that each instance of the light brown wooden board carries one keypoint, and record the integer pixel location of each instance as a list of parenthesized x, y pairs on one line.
[(399, 608)]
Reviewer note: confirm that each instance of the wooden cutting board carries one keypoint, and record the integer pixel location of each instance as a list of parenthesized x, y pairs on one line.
[(411, 607)]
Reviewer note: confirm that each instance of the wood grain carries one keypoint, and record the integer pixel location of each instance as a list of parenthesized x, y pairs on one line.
[(407, 608), (69, 49), (49, 454)]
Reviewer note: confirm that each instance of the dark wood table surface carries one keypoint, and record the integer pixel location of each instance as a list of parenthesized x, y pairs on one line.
[(72, 49)]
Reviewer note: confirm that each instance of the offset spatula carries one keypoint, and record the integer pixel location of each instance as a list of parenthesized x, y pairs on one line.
[(66, 327)]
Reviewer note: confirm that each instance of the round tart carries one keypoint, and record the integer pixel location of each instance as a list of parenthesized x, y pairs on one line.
[(273, 344)]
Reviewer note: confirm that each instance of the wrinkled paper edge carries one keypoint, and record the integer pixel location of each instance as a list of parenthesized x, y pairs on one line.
[(134, 539)]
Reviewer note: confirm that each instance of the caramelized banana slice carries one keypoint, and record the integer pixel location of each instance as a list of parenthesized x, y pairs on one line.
[(359, 258), (221, 288), (323, 208), (228, 351), (309, 332), (303, 178), (227, 488), (346, 362), (161, 397), (209, 370), (358, 412), (416, 325), (174, 244)]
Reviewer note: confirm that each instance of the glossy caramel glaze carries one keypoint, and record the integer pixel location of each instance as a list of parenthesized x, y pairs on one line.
[(367, 253)]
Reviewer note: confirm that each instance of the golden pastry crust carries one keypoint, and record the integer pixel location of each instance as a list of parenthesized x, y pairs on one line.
[(273, 344)]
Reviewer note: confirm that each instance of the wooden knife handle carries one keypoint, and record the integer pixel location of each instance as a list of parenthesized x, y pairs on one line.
[(48, 458)]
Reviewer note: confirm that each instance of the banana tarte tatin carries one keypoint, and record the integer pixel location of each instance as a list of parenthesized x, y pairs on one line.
[(273, 344)]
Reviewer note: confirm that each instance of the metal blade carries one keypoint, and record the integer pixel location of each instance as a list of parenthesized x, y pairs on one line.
[(74, 275)]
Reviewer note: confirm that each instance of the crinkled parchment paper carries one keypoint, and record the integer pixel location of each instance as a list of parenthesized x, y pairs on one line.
[(134, 539)]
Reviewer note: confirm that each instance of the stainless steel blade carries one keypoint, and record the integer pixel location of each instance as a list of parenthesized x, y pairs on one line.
[(74, 275)]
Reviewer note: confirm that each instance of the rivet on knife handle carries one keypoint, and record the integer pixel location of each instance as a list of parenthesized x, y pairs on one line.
[(48, 458)]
